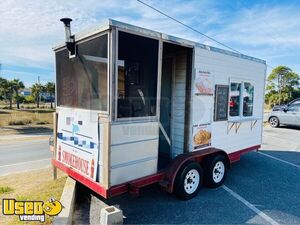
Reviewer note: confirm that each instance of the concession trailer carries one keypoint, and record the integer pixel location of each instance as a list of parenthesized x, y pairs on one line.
[(137, 107)]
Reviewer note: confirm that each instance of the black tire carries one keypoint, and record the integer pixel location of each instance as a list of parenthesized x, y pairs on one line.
[(274, 121), (180, 188), (215, 177)]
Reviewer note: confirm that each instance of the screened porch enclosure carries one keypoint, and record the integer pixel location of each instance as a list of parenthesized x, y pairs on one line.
[(82, 81)]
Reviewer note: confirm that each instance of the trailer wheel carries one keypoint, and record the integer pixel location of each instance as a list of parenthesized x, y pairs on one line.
[(188, 181), (215, 171)]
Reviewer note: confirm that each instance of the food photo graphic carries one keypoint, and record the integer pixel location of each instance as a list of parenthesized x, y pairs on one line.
[(202, 136)]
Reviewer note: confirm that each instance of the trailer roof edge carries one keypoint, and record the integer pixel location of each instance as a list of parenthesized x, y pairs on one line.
[(85, 34), (156, 34)]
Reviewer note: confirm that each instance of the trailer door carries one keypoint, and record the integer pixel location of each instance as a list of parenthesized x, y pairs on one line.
[(165, 107)]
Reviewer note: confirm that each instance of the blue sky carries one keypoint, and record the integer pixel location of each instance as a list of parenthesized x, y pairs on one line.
[(29, 29)]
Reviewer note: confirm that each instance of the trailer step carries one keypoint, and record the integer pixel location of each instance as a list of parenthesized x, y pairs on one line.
[(164, 184)]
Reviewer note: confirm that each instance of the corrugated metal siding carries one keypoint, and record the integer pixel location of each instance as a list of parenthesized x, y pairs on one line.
[(178, 107)]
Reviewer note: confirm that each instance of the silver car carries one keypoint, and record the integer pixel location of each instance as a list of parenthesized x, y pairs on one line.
[(289, 115)]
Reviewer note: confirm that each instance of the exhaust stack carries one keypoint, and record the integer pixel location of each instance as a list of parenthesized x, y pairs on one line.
[(70, 39)]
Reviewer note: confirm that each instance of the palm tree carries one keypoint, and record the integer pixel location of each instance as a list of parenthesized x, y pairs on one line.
[(36, 90), (6, 89), (2, 82), (17, 85), (50, 89)]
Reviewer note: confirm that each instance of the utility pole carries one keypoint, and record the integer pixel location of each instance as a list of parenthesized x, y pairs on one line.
[(39, 94)]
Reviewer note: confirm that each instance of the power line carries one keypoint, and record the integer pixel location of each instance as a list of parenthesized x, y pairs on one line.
[(187, 26), (193, 29)]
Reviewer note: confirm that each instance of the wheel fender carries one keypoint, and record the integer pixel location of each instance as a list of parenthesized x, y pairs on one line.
[(182, 160)]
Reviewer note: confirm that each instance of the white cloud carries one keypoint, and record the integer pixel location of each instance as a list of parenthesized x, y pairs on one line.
[(275, 26), (29, 29)]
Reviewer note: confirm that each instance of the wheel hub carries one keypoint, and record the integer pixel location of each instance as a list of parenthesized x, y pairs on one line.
[(191, 181), (218, 172)]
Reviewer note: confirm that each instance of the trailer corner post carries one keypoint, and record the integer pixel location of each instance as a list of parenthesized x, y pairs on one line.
[(54, 171)]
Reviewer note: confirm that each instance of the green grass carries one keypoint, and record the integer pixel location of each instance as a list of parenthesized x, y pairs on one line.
[(36, 185), (5, 190)]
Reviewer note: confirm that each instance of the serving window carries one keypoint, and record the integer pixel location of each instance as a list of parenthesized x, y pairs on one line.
[(241, 99), (137, 76), (248, 97), (234, 102)]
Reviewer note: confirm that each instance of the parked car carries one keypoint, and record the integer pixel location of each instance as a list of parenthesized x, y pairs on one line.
[(287, 115), (281, 107)]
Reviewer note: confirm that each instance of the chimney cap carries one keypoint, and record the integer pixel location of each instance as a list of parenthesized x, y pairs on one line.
[(66, 20)]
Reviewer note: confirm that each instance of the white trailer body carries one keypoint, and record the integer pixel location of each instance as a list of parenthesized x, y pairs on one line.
[(133, 100)]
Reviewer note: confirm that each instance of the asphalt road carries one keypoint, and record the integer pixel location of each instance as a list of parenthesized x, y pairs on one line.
[(262, 188), (18, 155), (283, 138)]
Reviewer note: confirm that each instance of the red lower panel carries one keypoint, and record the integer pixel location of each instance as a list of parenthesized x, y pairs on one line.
[(134, 185), (235, 156), (114, 190), (78, 177)]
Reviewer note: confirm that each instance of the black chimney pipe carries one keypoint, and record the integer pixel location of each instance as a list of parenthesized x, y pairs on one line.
[(70, 39)]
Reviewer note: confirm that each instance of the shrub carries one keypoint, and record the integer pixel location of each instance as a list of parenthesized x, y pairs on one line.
[(40, 122), (19, 122), (29, 99), (29, 107)]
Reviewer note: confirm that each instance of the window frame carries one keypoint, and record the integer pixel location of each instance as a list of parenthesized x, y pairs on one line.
[(116, 77), (102, 33), (296, 105), (242, 91)]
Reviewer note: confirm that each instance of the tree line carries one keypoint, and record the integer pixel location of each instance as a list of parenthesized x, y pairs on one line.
[(10, 91), (282, 86)]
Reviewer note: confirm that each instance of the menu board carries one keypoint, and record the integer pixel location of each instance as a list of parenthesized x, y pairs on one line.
[(221, 102)]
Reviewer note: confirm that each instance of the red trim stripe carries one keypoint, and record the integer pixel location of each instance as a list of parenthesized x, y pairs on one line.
[(84, 180), (235, 156), (136, 184)]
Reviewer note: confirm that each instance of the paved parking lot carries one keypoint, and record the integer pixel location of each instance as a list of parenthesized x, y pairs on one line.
[(262, 188)]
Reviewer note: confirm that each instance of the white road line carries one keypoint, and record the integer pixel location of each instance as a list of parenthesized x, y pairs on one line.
[(272, 157), (250, 206), (33, 161)]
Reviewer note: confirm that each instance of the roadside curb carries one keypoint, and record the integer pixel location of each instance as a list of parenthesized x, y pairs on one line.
[(68, 201)]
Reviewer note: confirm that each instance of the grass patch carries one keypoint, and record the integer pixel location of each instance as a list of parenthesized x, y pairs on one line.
[(25, 117), (33, 185), (5, 190)]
